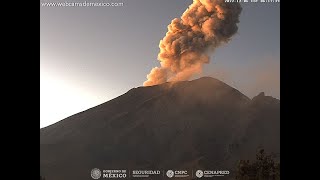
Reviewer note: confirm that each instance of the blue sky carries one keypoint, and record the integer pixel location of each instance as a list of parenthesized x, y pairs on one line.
[(91, 55)]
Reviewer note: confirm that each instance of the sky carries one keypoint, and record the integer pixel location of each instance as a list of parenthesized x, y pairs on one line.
[(89, 55)]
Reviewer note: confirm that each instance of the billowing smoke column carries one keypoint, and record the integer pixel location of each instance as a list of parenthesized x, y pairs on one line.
[(205, 25)]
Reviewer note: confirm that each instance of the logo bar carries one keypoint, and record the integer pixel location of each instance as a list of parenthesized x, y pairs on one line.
[(155, 173)]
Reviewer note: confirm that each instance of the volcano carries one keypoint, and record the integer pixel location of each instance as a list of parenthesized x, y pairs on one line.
[(198, 124)]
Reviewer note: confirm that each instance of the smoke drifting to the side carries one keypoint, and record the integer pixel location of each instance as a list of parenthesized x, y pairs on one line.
[(205, 25)]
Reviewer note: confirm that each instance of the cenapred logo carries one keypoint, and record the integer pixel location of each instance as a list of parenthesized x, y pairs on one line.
[(211, 173), (95, 173), (199, 173), (170, 173)]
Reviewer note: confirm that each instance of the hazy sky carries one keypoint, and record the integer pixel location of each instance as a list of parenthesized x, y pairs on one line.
[(89, 55)]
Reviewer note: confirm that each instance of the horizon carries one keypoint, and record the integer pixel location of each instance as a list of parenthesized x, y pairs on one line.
[(173, 82)]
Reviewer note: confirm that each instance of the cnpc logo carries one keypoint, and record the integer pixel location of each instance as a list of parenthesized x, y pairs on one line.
[(171, 173)]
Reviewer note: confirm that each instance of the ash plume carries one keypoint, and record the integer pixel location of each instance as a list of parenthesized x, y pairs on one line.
[(204, 26)]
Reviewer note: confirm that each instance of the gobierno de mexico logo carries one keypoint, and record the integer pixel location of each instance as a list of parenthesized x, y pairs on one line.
[(95, 173)]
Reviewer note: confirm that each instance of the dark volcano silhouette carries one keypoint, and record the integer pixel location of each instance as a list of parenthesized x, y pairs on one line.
[(202, 123)]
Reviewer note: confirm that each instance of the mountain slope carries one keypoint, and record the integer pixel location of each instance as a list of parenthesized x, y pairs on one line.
[(192, 124)]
